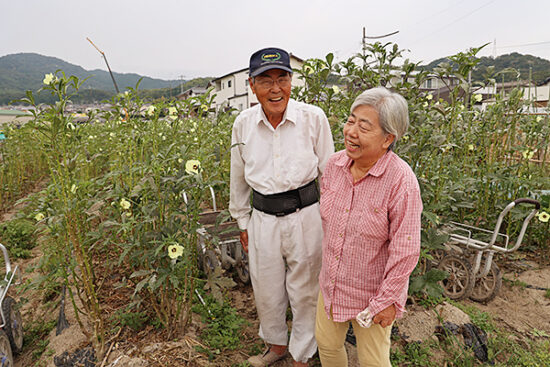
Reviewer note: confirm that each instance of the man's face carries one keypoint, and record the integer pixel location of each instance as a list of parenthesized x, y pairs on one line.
[(272, 88)]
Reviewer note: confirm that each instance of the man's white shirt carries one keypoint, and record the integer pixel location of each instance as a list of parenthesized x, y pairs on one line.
[(276, 160)]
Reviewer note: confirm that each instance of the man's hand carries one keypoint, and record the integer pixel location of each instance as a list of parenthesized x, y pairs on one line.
[(244, 240), (385, 317)]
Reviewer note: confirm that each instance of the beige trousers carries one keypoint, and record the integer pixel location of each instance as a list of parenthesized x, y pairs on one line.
[(373, 343), (284, 263)]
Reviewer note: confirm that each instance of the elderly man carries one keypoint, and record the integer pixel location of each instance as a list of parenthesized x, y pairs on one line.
[(280, 148)]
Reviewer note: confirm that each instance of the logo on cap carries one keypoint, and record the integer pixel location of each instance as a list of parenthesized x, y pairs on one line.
[(271, 57)]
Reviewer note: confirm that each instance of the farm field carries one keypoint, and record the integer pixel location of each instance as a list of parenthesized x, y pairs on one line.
[(104, 215)]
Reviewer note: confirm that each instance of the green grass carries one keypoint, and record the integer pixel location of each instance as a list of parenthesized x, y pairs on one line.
[(504, 348), (413, 354), (481, 319), (35, 336), (515, 283), (223, 325), (18, 236)]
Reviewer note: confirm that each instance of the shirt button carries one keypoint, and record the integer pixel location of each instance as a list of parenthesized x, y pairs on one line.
[(340, 234), (376, 210), (332, 281), (347, 210), (337, 257)]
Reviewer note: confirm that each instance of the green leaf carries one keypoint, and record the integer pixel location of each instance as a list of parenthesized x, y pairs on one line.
[(140, 285), (435, 275), (329, 58), (140, 273)]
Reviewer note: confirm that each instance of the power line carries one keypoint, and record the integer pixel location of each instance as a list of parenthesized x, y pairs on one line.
[(435, 14), (455, 21), (526, 44)]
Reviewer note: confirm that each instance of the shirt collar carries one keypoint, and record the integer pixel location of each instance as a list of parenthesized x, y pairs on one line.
[(291, 113), (377, 170)]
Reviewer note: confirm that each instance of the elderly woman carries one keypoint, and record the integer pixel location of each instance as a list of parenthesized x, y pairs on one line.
[(370, 208)]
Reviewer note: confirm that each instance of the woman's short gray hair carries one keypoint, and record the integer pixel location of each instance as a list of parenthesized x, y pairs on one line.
[(392, 108)]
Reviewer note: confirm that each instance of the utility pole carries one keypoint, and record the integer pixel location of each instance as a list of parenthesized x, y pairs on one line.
[(530, 78), (181, 85), (365, 38), (364, 42)]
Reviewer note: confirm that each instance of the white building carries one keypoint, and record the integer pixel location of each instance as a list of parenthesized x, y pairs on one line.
[(232, 90), (538, 94)]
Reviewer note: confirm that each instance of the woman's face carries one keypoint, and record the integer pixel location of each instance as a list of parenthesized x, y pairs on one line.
[(364, 139)]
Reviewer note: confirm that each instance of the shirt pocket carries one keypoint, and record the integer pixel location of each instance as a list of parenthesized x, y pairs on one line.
[(372, 221), (303, 163)]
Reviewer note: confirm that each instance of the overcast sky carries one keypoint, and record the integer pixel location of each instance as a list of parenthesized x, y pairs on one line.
[(168, 38)]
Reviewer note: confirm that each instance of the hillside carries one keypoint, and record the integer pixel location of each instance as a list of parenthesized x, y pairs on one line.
[(25, 71), (524, 64)]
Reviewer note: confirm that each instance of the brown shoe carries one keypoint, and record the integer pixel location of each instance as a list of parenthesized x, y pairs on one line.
[(265, 359)]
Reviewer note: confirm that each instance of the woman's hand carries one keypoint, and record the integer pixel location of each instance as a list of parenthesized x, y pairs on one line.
[(243, 236), (385, 317)]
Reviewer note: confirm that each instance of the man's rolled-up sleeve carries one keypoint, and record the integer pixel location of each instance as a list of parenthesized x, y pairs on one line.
[(239, 191), (403, 248)]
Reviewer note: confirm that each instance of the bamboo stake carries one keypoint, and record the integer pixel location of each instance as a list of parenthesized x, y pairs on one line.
[(108, 67)]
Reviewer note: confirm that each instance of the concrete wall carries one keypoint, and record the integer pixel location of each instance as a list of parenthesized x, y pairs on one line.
[(4, 119)]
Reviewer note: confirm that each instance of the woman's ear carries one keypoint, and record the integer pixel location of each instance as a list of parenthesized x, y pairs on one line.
[(388, 140)]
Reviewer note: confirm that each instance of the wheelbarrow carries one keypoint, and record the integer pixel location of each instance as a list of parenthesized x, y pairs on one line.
[(11, 327), (468, 256), (219, 243)]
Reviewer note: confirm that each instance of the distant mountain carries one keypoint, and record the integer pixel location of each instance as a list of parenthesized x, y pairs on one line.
[(529, 67), (25, 71)]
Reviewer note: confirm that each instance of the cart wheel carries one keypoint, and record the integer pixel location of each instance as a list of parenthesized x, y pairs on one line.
[(14, 324), (242, 264), (460, 281), (230, 253), (209, 262), (6, 357), (437, 256), (486, 288)]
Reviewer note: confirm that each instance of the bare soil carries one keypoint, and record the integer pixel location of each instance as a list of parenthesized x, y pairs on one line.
[(520, 308), (523, 311)]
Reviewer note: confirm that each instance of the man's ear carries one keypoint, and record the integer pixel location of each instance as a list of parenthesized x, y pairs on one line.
[(251, 83)]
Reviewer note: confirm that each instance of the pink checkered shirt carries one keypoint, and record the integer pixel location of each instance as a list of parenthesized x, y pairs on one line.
[(371, 238)]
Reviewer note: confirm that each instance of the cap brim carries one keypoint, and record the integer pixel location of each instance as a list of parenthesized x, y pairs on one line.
[(269, 67)]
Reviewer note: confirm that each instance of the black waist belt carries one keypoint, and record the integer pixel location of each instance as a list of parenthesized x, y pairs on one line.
[(287, 202)]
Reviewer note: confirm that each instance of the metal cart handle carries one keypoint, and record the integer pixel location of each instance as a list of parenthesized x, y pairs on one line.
[(6, 259), (523, 227), (528, 201), (212, 194)]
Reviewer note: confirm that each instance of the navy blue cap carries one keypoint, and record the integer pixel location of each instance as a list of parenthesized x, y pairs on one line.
[(267, 59)]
